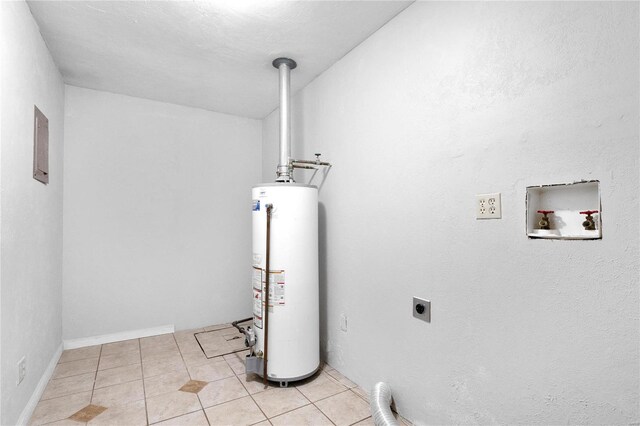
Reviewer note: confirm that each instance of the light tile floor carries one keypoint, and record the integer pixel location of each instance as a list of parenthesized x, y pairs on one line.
[(168, 380)]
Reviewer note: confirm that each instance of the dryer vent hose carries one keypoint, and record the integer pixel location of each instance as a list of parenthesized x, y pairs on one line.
[(381, 405)]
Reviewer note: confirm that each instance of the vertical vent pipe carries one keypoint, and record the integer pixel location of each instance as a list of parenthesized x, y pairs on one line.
[(285, 171)]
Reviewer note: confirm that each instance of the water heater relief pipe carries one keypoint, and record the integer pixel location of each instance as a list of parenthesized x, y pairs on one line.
[(285, 171), (381, 405), (265, 296)]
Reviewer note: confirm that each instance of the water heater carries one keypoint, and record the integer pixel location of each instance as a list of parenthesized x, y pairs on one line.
[(285, 335), (293, 351)]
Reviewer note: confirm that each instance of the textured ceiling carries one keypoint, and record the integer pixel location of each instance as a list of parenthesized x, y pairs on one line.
[(214, 55)]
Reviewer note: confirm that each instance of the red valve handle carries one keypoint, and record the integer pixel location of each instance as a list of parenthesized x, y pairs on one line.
[(545, 211), (588, 212)]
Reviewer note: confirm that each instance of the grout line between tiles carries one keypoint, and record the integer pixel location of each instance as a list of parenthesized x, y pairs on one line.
[(206, 417), (63, 396), (220, 403), (288, 411), (95, 377), (175, 417), (74, 360), (324, 414), (183, 361), (76, 375), (118, 366), (360, 396), (318, 408), (144, 390), (56, 421), (97, 370), (119, 383), (254, 401), (268, 421), (250, 395), (190, 378), (327, 397), (122, 353)]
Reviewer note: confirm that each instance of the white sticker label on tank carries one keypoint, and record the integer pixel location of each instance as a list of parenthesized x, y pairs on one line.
[(278, 294), (277, 277), (257, 258), (257, 279), (257, 321), (257, 308), (276, 288)]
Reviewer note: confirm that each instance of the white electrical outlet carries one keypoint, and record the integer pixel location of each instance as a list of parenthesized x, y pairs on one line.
[(343, 323), (488, 206), (22, 370)]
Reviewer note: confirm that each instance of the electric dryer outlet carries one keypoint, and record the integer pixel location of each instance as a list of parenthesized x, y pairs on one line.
[(421, 309)]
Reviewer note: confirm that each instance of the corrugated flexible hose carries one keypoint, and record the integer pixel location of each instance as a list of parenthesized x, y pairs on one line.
[(381, 405)]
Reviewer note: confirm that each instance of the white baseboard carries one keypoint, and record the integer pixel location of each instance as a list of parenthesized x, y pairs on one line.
[(117, 337), (39, 390)]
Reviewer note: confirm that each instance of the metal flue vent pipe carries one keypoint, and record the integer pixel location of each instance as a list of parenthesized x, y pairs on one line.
[(285, 171)]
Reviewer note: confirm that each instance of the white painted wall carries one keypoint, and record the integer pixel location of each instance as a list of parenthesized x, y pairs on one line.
[(31, 213), (157, 214), (446, 101)]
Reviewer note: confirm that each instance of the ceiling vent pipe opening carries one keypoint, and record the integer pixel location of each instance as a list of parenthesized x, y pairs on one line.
[(284, 172)]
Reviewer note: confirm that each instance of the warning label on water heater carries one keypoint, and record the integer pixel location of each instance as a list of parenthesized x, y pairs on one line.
[(256, 280), (257, 308), (276, 292), (257, 296), (276, 288)]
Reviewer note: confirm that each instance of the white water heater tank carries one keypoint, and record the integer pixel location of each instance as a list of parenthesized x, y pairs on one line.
[(294, 329)]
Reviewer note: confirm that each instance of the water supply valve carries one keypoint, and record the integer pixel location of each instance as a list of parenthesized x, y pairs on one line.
[(544, 220), (589, 224)]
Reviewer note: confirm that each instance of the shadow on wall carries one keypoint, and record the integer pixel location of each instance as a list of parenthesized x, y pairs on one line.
[(322, 272)]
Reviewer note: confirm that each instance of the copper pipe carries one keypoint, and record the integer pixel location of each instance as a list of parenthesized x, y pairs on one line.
[(266, 297)]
